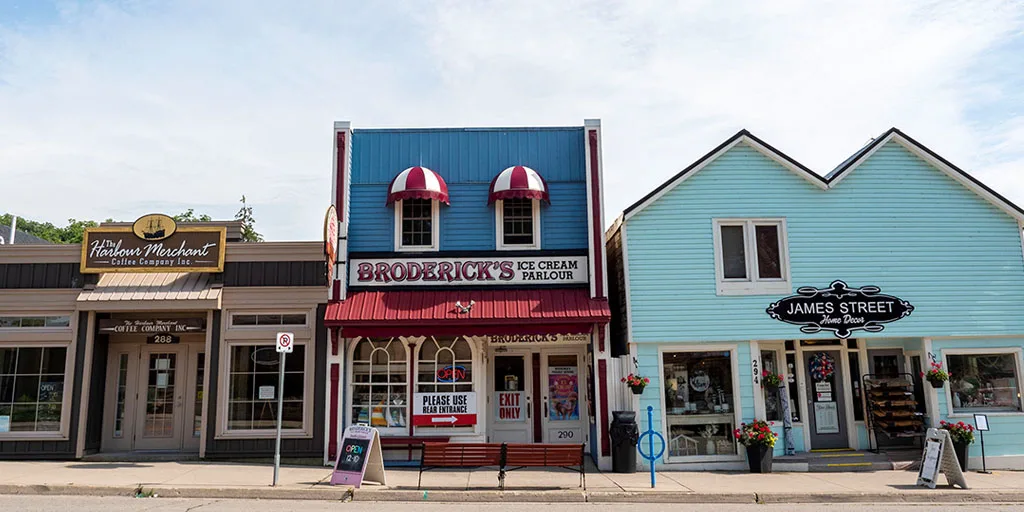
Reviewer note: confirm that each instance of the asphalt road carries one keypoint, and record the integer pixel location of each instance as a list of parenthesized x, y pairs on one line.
[(110, 504)]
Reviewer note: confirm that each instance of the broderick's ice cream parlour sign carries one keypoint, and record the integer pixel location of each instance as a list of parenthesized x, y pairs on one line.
[(154, 243)]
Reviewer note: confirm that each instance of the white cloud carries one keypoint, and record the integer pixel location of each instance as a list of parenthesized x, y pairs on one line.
[(116, 109)]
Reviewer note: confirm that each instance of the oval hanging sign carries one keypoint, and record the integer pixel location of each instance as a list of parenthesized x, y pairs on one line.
[(839, 309), (451, 374)]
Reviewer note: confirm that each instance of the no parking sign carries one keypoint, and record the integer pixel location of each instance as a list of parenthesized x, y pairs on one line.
[(285, 342)]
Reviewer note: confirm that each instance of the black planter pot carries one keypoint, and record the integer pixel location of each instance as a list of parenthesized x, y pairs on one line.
[(961, 454), (759, 457), (937, 384), (637, 390)]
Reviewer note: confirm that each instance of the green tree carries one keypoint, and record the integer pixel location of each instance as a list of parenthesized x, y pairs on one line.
[(70, 234), (244, 214), (190, 216)]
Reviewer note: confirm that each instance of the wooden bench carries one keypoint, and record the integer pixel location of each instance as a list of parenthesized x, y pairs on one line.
[(460, 455), (410, 442), (506, 457), (565, 456)]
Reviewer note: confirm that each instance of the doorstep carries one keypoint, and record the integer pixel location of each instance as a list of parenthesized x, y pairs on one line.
[(849, 460)]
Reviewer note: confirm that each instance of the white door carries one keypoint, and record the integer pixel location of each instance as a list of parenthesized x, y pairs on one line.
[(563, 397), (162, 387), (511, 400)]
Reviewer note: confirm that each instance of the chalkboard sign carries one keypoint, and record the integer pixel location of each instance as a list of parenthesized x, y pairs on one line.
[(360, 458)]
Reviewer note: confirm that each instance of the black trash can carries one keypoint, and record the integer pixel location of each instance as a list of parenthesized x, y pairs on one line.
[(625, 434)]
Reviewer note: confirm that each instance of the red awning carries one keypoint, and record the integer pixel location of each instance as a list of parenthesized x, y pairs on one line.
[(425, 313)]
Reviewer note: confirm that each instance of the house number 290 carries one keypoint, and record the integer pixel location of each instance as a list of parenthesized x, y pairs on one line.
[(566, 434)]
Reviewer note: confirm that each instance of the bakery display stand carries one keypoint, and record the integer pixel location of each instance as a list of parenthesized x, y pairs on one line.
[(891, 408)]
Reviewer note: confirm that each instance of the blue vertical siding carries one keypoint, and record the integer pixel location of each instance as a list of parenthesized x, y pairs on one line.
[(895, 222)]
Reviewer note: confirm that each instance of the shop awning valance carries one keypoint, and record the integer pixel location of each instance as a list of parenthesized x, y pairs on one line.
[(518, 182), (418, 183), (152, 290), (493, 312)]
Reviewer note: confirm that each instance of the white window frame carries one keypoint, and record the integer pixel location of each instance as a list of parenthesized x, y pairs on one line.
[(737, 406), (224, 388), (1018, 368), (752, 285), (478, 371), (350, 399), (499, 227), (69, 391), (277, 327), (435, 225)]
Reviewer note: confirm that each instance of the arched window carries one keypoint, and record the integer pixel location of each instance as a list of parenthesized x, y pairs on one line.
[(445, 365), (380, 383)]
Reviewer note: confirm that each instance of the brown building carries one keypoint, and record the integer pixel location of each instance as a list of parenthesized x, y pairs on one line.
[(160, 338)]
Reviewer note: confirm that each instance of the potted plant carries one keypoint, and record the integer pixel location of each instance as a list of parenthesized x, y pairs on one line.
[(936, 375), (962, 435), (636, 383), (760, 442), (770, 380)]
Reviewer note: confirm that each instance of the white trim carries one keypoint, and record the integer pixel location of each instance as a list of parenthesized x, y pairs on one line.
[(435, 225), (1018, 370), (751, 285), (499, 227), (919, 152), (349, 356), (737, 405), (477, 355), (810, 177)]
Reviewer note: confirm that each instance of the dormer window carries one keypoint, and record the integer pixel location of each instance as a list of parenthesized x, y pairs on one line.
[(417, 193), (517, 193)]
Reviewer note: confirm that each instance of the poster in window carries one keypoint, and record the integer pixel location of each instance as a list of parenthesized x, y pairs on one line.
[(564, 390), (826, 418)]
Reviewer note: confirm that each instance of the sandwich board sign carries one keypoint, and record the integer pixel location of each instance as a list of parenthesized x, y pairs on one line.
[(939, 457), (360, 458)]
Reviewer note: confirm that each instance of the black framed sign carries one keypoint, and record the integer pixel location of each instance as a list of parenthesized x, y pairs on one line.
[(840, 309)]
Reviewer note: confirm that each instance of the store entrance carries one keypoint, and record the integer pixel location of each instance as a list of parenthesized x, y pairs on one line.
[(537, 396), (153, 397), (826, 413)]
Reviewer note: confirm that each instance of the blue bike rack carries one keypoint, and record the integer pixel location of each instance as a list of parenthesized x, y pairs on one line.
[(650, 434)]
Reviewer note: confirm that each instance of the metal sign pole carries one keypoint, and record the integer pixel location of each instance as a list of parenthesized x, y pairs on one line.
[(984, 469), (280, 407)]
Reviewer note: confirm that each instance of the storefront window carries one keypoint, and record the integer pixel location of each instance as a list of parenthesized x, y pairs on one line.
[(858, 398), (772, 394), (380, 383), (31, 388), (794, 404), (252, 397), (9, 322), (445, 366), (984, 383), (700, 407)]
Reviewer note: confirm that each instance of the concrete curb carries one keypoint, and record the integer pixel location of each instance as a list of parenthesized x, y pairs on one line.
[(494, 496)]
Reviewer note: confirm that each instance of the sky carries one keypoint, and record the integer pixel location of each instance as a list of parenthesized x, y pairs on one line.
[(120, 108)]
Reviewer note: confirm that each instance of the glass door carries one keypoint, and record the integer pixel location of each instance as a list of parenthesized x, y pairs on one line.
[(511, 400), (562, 394), (158, 424)]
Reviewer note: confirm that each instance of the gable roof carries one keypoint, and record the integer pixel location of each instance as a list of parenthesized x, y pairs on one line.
[(836, 175), (21, 237)]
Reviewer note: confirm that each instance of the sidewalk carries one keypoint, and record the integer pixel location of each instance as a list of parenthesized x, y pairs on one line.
[(228, 480)]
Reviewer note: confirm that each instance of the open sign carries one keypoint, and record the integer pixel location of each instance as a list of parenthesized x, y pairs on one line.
[(451, 374)]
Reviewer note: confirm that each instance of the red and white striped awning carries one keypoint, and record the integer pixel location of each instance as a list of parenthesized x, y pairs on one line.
[(418, 183), (518, 182)]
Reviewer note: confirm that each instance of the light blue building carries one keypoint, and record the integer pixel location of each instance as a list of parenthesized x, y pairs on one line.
[(924, 261)]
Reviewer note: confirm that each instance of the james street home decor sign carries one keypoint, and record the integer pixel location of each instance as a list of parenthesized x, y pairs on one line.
[(839, 309)]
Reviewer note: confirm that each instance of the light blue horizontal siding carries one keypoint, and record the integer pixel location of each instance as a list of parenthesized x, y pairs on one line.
[(462, 155), (894, 222), (1005, 435), (469, 223)]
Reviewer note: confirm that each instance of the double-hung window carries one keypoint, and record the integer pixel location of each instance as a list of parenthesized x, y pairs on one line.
[(751, 257), (518, 223), (416, 225)]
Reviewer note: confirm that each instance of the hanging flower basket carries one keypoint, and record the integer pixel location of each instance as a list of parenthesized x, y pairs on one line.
[(770, 380), (636, 383), (936, 375)]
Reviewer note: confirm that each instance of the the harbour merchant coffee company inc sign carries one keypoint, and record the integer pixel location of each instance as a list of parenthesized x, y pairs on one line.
[(536, 270), (152, 326), (840, 309), (154, 243)]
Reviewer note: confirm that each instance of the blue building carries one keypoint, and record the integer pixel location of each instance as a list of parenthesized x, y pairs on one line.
[(849, 285), (470, 297)]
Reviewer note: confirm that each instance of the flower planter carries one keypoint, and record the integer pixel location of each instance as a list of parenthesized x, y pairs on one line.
[(937, 384), (759, 457), (637, 389), (961, 454)]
